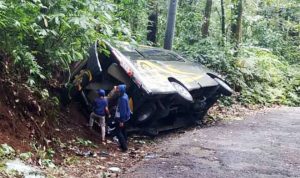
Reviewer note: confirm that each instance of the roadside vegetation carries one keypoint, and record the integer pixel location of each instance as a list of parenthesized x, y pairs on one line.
[(254, 44)]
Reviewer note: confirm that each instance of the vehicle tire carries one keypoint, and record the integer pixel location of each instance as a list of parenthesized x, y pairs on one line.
[(209, 103), (182, 91), (144, 114), (224, 87)]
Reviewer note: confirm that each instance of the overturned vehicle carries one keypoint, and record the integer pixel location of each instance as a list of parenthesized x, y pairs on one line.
[(165, 90)]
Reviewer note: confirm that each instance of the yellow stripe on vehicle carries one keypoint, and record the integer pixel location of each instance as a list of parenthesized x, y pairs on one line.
[(131, 104), (89, 73), (170, 70)]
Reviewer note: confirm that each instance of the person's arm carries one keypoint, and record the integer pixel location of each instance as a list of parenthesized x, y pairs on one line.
[(107, 112), (122, 108), (92, 106)]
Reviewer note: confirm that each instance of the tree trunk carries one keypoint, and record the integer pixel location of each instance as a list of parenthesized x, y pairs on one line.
[(169, 35), (205, 25), (223, 18), (152, 22), (236, 24), (239, 22)]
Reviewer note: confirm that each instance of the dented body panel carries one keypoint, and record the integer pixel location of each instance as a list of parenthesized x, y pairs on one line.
[(163, 87)]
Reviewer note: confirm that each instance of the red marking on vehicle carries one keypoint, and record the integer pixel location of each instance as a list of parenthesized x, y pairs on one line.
[(130, 73)]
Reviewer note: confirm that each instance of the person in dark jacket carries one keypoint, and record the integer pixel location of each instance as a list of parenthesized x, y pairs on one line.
[(122, 113), (99, 112)]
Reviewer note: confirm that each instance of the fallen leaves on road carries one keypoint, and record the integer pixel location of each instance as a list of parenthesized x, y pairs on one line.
[(105, 160)]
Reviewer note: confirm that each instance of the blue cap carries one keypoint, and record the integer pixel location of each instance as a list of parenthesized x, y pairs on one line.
[(101, 92)]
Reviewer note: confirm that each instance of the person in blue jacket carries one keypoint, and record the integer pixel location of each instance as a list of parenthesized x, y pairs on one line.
[(99, 112), (122, 113)]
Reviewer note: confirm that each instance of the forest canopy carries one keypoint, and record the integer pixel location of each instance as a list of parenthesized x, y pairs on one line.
[(255, 44)]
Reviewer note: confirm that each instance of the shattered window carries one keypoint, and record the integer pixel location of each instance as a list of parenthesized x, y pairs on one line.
[(133, 55), (148, 53), (160, 55)]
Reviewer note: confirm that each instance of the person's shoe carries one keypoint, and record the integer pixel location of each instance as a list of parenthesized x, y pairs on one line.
[(103, 141), (115, 139), (124, 150)]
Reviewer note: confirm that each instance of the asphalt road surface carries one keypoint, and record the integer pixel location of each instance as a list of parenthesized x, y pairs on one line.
[(266, 144)]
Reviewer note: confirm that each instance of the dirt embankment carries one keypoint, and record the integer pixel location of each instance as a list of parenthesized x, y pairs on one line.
[(17, 108), (28, 118), (31, 122)]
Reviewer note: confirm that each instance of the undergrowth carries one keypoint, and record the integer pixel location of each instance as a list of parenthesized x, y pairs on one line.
[(257, 74)]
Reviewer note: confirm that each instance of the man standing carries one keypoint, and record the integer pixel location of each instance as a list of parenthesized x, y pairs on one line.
[(122, 116), (100, 109)]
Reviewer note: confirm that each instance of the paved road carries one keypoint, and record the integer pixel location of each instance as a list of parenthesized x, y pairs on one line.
[(266, 144)]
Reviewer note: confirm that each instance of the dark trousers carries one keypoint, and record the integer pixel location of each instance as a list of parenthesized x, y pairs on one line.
[(121, 132), (122, 137)]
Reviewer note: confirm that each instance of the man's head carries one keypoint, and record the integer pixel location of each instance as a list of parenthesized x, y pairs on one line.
[(101, 92), (122, 89)]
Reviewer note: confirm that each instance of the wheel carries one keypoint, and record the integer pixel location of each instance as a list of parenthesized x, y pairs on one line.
[(224, 87), (182, 91), (145, 113)]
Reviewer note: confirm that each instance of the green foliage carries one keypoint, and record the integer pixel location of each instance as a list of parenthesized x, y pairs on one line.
[(135, 13), (267, 79), (44, 156), (189, 30), (6, 151), (264, 70), (25, 156), (70, 160), (276, 26), (258, 74), (83, 142), (45, 36)]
